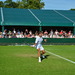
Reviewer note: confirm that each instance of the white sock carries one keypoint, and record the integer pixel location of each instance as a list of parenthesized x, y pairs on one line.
[(39, 59)]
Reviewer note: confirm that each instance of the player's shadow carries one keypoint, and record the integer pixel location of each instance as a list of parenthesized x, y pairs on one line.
[(46, 57)]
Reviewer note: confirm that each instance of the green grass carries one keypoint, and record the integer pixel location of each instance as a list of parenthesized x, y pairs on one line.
[(22, 60)]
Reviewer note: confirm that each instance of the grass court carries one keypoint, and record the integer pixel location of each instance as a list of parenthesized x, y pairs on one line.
[(22, 60)]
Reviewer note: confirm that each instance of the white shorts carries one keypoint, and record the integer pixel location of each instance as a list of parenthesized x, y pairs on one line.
[(39, 46)]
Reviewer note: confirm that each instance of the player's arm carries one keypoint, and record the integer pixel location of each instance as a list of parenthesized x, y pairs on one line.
[(33, 45), (36, 41)]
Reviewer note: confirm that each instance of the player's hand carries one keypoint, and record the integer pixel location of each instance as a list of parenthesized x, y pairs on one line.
[(32, 45)]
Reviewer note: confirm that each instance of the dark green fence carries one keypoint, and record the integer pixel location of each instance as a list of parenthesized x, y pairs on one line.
[(13, 41)]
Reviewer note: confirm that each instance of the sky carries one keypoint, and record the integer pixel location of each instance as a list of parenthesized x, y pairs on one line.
[(57, 4)]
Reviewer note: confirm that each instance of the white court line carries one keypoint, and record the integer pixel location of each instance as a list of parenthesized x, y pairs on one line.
[(60, 57)]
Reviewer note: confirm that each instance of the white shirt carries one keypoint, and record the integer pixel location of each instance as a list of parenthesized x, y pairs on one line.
[(38, 40), (36, 36)]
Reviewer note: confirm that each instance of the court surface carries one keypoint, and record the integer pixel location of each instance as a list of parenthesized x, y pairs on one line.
[(22, 60)]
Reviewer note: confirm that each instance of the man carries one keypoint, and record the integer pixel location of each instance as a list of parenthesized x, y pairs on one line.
[(38, 45)]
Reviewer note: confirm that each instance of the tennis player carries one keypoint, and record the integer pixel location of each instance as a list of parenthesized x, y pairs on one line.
[(39, 47)]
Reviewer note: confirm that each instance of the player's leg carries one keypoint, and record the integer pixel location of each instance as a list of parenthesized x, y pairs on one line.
[(42, 52), (39, 53)]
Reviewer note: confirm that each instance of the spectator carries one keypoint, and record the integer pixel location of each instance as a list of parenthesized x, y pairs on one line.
[(33, 36), (21, 35), (61, 32), (26, 32), (14, 36), (51, 34), (70, 34), (17, 35), (29, 34), (45, 36), (18, 32), (36, 35), (56, 34), (45, 33), (65, 34), (4, 33), (1, 35), (14, 31)]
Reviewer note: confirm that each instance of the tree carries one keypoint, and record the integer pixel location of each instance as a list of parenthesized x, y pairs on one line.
[(13, 5), (9, 1), (72, 9), (20, 4), (35, 4), (31, 4), (1, 4), (27, 4)]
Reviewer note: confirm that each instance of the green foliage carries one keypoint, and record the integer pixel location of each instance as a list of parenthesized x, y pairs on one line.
[(27, 4), (1, 4), (72, 9), (9, 1), (35, 4)]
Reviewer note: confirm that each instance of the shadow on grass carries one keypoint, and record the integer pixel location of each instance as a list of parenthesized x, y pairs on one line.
[(46, 57)]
